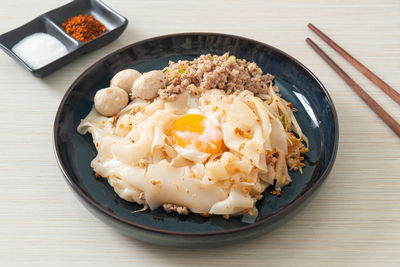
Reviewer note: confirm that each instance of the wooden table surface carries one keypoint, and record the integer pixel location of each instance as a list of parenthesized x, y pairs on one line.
[(354, 220)]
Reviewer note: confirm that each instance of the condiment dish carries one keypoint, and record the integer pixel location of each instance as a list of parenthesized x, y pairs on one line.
[(51, 22)]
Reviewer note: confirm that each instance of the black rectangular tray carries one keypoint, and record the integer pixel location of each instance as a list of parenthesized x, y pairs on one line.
[(50, 23)]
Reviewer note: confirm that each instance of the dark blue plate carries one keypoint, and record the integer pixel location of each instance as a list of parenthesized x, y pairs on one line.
[(51, 22), (316, 116)]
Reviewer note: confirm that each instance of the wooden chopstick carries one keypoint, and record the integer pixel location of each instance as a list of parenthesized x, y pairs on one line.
[(392, 123), (393, 94)]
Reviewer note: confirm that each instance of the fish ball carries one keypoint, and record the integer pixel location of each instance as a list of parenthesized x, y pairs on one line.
[(124, 79), (109, 101), (147, 85)]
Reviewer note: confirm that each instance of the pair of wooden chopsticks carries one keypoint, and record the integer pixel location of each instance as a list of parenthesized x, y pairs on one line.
[(392, 123)]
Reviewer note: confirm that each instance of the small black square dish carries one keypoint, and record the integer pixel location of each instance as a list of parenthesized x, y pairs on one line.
[(42, 45)]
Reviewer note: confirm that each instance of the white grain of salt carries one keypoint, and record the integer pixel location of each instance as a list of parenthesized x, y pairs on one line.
[(39, 49)]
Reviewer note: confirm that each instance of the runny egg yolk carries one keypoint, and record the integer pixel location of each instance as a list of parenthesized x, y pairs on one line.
[(194, 131)]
